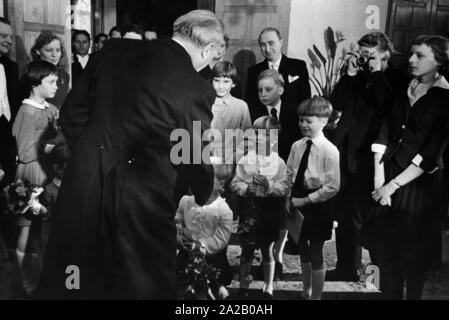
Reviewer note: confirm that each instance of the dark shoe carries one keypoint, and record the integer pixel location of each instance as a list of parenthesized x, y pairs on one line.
[(267, 296), (278, 272), (337, 275), (242, 294)]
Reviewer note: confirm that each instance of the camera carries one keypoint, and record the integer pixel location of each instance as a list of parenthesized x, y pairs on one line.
[(363, 60)]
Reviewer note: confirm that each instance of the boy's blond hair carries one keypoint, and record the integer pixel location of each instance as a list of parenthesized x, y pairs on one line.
[(272, 74), (316, 106)]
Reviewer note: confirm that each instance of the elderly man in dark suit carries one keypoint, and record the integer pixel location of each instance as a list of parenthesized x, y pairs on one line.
[(114, 220)]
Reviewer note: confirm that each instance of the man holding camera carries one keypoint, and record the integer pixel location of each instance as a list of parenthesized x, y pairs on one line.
[(361, 117)]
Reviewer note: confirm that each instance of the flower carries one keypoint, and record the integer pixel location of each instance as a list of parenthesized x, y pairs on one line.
[(326, 71), (20, 196)]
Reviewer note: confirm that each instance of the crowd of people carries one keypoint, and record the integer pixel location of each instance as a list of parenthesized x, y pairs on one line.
[(104, 143)]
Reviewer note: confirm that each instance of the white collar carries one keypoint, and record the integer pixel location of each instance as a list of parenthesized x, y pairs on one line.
[(57, 182), (276, 63), (318, 140), (226, 101), (442, 83), (86, 57), (35, 104)]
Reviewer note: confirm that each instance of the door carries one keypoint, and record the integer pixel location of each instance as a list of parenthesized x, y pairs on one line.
[(244, 19), (29, 17)]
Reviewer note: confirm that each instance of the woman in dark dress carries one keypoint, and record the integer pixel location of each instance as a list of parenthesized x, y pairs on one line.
[(49, 47), (406, 224)]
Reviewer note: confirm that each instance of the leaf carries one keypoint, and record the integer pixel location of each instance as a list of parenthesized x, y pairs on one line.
[(329, 41), (319, 54)]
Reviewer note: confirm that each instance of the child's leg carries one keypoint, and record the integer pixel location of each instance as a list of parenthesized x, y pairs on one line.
[(246, 261), (268, 267), (22, 244), (280, 245), (318, 269), (306, 269)]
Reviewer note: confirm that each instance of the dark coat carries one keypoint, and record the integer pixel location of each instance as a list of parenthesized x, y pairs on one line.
[(7, 143), (115, 212), (361, 116), (77, 69)]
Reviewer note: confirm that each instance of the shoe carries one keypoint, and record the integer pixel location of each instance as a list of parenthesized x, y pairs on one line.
[(278, 272), (267, 296), (242, 294), (337, 275)]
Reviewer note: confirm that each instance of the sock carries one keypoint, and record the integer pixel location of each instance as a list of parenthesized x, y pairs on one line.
[(306, 269), (280, 245), (245, 270), (268, 275), (318, 277)]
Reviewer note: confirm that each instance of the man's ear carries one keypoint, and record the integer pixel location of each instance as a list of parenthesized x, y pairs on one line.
[(208, 49)]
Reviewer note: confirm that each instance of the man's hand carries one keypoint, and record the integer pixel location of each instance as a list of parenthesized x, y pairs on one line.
[(353, 66), (261, 181)]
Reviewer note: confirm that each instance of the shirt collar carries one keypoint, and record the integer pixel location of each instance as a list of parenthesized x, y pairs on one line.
[(35, 104), (318, 140), (226, 101), (276, 63)]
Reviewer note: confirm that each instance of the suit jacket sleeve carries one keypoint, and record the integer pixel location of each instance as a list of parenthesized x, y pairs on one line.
[(198, 175)]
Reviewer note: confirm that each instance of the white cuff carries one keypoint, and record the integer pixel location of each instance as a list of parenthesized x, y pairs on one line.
[(313, 197), (378, 148), (417, 160)]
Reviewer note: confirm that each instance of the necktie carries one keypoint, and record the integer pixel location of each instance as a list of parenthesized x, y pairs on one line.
[(299, 181), (4, 103), (274, 113)]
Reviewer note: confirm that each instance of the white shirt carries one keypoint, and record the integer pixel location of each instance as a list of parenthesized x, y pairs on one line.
[(83, 60), (4, 102), (323, 168), (210, 224), (275, 65), (277, 107)]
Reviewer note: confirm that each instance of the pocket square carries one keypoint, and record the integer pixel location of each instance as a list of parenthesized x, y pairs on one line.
[(292, 78)]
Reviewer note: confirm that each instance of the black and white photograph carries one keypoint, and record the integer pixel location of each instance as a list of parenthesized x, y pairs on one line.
[(233, 152)]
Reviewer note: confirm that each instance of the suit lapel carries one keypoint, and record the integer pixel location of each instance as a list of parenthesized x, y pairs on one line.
[(284, 69)]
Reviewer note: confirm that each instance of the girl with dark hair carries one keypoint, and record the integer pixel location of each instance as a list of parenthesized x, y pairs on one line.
[(32, 120), (407, 222), (49, 47)]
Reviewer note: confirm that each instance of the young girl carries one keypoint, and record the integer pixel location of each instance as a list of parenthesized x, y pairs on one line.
[(405, 228), (48, 47), (261, 181), (31, 122)]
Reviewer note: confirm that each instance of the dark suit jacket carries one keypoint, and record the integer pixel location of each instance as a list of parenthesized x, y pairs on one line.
[(77, 69), (115, 211), (295, 92), (12, 83), (361, 117), (7, 142)]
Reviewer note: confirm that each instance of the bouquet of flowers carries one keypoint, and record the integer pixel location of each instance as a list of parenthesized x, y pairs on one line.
[(199, 279), (21, 197)]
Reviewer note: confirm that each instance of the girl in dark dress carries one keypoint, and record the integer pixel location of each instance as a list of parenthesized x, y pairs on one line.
[(406, 224)]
